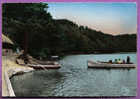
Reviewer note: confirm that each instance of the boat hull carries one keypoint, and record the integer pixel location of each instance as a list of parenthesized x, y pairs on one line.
[(45, 66), (109, 65)]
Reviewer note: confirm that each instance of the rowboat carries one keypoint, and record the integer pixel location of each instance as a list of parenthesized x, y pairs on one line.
[(56, 65), (92, 64)]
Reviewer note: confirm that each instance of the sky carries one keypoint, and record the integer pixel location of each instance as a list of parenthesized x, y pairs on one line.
[(112, 18)]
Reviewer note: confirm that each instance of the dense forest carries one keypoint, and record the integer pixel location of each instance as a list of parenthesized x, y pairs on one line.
[(33, 29)]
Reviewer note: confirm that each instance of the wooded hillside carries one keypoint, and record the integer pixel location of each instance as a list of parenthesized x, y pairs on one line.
[(33, 29)]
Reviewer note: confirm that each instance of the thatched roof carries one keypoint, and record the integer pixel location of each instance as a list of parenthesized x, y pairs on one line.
[(5, 39)]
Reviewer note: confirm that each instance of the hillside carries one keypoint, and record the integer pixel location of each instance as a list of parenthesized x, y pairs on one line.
[(35, 31)]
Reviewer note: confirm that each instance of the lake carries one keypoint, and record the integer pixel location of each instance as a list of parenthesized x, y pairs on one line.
[(75, 79)]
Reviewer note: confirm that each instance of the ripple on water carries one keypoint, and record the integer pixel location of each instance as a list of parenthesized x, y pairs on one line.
[(74, 79)]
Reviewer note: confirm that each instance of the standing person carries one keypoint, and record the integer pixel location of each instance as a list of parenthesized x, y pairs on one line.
[(128, 60)]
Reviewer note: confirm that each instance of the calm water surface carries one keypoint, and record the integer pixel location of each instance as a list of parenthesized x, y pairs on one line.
[(75, 79)]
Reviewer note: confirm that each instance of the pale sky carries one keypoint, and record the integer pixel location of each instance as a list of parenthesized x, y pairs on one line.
[(112, 18)]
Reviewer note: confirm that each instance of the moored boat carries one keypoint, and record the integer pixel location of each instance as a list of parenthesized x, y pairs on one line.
[(55, 65)]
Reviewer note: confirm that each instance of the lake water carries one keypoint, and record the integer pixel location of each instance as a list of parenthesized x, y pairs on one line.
[(75, 79)]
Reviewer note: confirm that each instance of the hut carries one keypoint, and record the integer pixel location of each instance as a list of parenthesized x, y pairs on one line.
[(7, 45)]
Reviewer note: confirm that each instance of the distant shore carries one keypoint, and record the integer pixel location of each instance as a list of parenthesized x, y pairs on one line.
[(79, 53)]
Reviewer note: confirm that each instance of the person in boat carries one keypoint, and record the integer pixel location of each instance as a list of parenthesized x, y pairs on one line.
[(110, 61), (128, 60), (115, 61), (123, 61), (119, 61)]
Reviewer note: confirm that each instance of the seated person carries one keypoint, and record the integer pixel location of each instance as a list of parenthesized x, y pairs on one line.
[(119, 61)]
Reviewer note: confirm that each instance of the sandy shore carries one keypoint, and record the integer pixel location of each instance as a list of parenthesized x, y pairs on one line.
[(10, 68)]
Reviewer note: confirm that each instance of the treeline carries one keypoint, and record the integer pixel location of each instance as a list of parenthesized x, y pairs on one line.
[(33, 29)]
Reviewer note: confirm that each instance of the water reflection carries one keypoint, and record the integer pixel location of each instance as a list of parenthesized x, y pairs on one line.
[(75, 79)]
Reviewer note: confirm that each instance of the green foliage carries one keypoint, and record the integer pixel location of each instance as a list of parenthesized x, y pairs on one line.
[(46, 36)]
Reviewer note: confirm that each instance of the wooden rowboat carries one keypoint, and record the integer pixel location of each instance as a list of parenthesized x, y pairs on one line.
[(53, 66), (92, 64)]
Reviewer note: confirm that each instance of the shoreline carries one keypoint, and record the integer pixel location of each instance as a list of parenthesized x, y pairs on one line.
[(11, 73), (10, 69)]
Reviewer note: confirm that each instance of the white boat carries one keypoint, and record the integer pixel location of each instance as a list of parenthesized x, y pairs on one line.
[(92, 64)]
